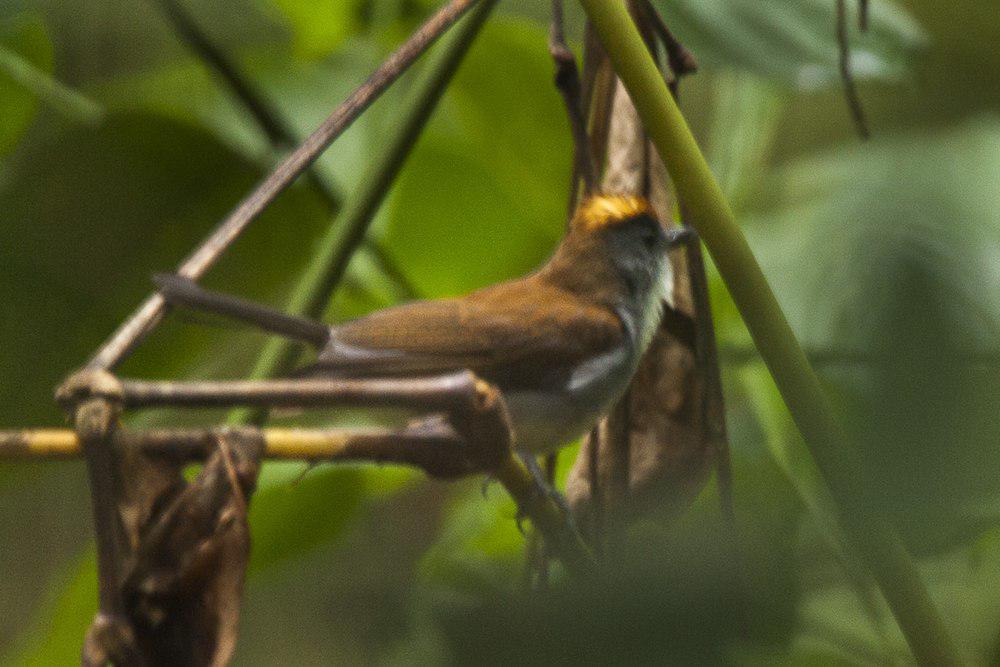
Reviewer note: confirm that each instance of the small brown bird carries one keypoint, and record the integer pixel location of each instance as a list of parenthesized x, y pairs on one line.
[(561, 343)]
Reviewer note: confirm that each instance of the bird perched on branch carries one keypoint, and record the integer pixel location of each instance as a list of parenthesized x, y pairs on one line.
[(561, 344)]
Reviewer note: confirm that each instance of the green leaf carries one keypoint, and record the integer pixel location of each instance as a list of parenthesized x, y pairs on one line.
[(303, 95), (23, 40), (126, 200), (884, 254), (62, 623), (792, 41), (744, 126), (320, 28), (293, 518)]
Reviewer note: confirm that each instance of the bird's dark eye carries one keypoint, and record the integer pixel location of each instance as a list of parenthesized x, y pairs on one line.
[(631, 285), (650, 235)]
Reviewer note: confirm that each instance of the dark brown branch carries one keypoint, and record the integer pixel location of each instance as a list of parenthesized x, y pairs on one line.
[(474, 410), (846, 74), (568, 82), (96, 420), (124, 340), (681, 61), (863, 15), (713, 417)]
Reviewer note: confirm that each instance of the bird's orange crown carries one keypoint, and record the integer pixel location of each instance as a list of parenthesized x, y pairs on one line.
[(600, 211)]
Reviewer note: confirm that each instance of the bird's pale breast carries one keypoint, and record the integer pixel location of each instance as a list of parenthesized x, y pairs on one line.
[(546, 420)]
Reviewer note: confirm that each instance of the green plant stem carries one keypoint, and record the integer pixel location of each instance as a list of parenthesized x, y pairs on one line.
[(712, 217), (334, 250), (62, 98)]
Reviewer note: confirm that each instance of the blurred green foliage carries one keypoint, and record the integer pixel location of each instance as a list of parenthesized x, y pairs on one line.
[(883, 255), (23, 39)]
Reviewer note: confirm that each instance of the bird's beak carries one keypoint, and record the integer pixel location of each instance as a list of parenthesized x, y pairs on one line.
[(678, 236)]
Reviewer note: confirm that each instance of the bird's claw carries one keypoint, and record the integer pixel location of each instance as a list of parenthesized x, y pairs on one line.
[(543, 490)]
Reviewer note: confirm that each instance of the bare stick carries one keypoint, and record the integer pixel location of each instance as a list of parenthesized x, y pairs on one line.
[(847, 76), (333, 252), (863, 15), (682, 62), (123, 341), (442, 393), (568, 83)]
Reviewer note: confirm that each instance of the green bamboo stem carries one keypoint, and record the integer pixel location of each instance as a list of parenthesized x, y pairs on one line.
[(334, 250), (712, 217)]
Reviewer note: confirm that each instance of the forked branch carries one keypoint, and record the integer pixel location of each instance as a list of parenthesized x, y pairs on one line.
[(568, 83), (473, 436)]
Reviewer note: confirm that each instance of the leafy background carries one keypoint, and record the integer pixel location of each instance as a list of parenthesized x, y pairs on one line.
[(118, 151)]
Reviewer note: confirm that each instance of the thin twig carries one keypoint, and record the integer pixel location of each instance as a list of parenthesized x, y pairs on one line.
[(291, 444), (713, 416), (568, 82), (863, 15), (846, 74), (124, 340), (67, 101)]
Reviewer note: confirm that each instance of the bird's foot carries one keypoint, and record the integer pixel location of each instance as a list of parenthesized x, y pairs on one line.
[(543, 489)]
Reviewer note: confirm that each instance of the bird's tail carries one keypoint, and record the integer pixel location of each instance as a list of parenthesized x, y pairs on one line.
[(181, 291)]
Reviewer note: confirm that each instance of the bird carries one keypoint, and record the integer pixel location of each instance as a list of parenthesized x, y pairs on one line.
[(561, 344)]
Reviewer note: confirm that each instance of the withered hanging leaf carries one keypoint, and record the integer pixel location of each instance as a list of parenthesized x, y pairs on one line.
[(187, 547), (656, 449)]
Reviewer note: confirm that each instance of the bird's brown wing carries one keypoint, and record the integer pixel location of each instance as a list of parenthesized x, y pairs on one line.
[(524, 333)]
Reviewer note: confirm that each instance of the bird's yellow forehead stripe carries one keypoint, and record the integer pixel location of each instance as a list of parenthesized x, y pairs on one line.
[(602, 211)]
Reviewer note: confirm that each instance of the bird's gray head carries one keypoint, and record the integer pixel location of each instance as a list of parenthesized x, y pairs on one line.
[(638, 251), (636, 247)]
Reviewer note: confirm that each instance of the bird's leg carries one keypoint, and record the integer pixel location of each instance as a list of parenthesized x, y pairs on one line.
[(543, 488)]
